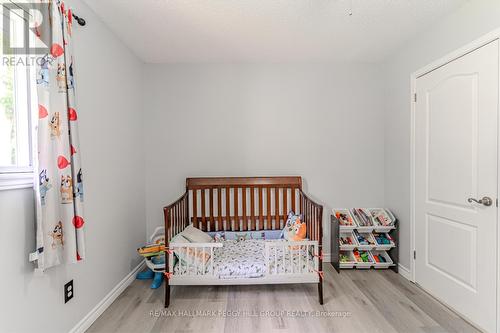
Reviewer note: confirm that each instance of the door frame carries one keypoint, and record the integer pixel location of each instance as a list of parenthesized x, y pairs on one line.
[(470, 47)]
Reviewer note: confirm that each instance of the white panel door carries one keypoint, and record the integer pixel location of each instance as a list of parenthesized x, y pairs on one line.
[(456, 159)]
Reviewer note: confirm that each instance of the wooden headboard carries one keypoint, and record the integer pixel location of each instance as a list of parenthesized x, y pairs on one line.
[(242, 204)]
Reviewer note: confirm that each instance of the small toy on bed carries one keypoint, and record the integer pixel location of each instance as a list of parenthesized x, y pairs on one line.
[(219, 237)]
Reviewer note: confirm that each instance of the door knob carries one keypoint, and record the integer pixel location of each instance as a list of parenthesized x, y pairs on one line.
[(486, 201)]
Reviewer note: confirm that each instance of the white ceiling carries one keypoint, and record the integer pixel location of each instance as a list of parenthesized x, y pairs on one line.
[(166, 31)]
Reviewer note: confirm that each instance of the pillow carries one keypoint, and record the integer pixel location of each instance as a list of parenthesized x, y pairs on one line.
[(241, 237), (187, 255), (195, 235), (179, 238), (179, 254), (258, 235), (288, 225)]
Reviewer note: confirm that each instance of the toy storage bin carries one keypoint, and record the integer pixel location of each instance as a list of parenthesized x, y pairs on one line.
[(345, 211), (359, 222), (349, 264), (363, 264), (381, 264), (378, 226), (381, 246), (344, 234), (368, 236)]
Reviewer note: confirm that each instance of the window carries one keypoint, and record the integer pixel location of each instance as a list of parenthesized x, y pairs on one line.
[(17, 97)]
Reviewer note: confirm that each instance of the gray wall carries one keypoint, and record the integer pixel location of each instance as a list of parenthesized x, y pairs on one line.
[(344, 128), (472, 20), (109, 101), (323, 122)]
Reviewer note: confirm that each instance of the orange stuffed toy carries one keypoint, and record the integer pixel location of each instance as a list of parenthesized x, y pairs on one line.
[(299, 231), (294, 229)]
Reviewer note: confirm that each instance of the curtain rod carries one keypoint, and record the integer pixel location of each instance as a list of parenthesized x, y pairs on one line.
[(81, 21)]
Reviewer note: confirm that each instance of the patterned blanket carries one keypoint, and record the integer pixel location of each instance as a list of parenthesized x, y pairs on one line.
[(246, 259)]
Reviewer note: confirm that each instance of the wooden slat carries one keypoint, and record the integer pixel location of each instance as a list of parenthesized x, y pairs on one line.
[(195, 208), (168, 224), (212, 218), (177, 216), (315, 219), (261, 220), (219, 209), (301, 205), (203, 211), (277, 224), (233, 218), (285, 204), (174, 220), (235, 201), (268, 210), (315, 216), (309, 217), (244, 207), (252, 207), (318, 220), (228, 210), (292, 197), (183, 215), (308, 225), (186, 211)]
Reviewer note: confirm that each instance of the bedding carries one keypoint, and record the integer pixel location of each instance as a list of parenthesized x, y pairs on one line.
[(195, 235), (235, 235), (179, 255), (246, 259)]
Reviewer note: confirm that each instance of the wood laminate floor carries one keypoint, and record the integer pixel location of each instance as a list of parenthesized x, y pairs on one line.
[(355, 301)]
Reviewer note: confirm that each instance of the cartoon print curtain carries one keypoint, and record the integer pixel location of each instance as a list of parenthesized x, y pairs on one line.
[(59, 200)]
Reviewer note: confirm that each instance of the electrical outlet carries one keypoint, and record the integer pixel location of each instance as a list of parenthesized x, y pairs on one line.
[(68, 291)]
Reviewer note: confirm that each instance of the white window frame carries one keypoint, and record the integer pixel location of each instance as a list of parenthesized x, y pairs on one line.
[(22, 176)]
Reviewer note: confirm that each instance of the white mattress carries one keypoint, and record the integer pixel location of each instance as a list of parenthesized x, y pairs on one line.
[(246, 259)]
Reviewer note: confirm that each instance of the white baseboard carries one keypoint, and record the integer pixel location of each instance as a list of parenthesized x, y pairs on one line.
[(405, 272), (89, 319)]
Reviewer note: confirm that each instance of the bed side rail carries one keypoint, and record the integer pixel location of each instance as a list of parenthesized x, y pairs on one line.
[(197, 258), (292, 257)]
